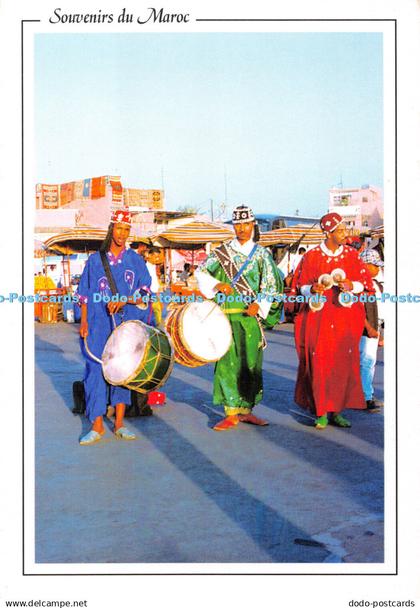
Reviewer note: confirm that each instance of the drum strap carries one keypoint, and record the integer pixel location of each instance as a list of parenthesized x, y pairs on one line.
[(235, 274), (244, 265), (108, 273), (237, 280)]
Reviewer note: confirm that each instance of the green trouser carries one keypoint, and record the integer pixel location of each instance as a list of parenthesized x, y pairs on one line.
[(238, 382)]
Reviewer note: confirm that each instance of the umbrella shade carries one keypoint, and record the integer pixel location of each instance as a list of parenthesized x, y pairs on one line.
[(39, 249), (76, 241), (286, 236), (194, 233), (79, 240)]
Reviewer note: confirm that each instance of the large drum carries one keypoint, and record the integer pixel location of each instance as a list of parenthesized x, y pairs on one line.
[(137, 356), (200, 332)]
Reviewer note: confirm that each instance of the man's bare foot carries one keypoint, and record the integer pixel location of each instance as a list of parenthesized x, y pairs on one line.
[(98, 425)]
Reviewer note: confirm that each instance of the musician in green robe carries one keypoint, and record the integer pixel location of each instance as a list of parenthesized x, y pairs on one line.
[(243, 278)]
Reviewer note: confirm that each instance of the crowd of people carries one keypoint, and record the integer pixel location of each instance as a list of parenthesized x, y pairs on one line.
[(336, 340)]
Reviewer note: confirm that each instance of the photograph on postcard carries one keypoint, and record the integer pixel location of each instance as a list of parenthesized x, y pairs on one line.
[(211, 213)]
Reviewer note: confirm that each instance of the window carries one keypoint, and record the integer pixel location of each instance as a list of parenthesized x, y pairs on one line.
[(278, 223)]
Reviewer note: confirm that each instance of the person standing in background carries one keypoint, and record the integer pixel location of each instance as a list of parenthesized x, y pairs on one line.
[(371, 337)]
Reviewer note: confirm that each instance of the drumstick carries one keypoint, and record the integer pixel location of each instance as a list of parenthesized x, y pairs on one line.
[(209, 313), (302, 414)]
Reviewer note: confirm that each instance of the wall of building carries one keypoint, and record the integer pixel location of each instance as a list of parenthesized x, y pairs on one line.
[(361, 208), (89, 202)]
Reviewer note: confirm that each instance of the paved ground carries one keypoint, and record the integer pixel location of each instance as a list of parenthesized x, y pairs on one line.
[(183, 493)]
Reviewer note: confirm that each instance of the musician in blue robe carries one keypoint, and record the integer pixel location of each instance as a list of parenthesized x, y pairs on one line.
[(131, 278)]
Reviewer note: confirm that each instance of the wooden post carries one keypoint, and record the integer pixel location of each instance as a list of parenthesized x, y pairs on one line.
[(169, 250)]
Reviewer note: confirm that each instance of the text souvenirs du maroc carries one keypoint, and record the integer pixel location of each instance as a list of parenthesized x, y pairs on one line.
[(153, 15)]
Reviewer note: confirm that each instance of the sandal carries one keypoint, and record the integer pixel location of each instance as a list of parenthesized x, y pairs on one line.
[(321, 422), (227, 423), (90, 438), (124, 433), (340, 421), (251, 419)]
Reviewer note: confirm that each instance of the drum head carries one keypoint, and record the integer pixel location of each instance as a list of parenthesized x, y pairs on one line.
[(206, 331), (123, 351)]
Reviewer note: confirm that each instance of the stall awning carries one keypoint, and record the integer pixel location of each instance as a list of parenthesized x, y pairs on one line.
[(286, 236), (378, 232), (193, 234), (76, 240), (81, 240)]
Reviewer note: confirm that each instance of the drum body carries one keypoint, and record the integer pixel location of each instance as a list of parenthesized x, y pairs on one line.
[(200, 332), (138, 357)]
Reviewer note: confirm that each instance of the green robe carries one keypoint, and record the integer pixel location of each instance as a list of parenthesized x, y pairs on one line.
[(238, 384)]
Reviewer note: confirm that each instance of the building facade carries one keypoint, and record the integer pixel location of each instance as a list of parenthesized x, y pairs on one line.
[(88, 203), (361, 208)]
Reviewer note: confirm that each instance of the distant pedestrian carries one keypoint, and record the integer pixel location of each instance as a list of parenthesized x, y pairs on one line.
[(357, 242), (186, 273), (153, 256), (371, 338), (297, 258)]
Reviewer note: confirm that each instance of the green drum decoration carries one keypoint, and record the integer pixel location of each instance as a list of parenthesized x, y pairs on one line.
[(138, 357)]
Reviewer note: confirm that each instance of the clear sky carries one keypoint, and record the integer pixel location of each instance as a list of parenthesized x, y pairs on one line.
[(284, 116)]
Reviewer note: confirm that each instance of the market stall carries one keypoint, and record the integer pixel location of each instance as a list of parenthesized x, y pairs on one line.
[(197, 238)]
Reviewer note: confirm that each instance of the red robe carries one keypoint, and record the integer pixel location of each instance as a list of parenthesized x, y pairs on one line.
[(327, 341)]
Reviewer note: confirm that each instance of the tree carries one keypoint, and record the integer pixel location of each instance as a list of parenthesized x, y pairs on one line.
[(188, 209)]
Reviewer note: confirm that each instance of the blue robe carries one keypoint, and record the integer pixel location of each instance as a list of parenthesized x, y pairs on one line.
[(130, 275)]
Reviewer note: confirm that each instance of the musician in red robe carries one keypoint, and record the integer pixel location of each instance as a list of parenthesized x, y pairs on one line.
[(327, 334)]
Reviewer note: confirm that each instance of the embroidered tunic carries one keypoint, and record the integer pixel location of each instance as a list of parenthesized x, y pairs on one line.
[(327, 341), (238, 384)]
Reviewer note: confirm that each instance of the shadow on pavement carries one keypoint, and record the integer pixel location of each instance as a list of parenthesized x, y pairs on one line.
[(272, 532), (349, 470)]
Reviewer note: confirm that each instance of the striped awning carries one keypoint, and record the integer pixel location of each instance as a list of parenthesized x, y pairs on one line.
[(39, 249), (378, 232), (194, 233), (76, 240), (291, 234)]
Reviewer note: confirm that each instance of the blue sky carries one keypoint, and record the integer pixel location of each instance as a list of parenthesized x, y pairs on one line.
[(285, 116)]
